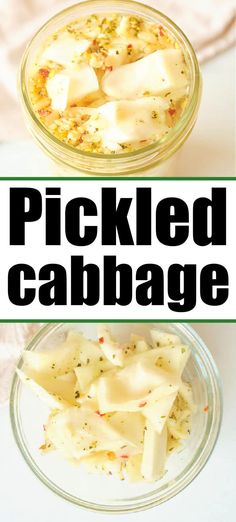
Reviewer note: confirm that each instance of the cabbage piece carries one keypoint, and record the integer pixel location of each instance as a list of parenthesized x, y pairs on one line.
[(133, 468), (173, 359), (57, 361), (85, 375), (76, 432), (51, 399), (131, 427), (130, 121), (161, 339), (89, 350), (157, 411), (135, 346), (71, 85), (111, 349), (154, 453), (132, 387), (88, 403), (60, 385), (64, 50), (170, 359), (157, 73)]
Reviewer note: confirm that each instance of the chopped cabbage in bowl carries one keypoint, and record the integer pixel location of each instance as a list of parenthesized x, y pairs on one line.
[(119, 408)]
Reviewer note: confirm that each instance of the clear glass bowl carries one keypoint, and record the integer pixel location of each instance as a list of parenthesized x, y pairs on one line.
[(105, 493), (154, 160)]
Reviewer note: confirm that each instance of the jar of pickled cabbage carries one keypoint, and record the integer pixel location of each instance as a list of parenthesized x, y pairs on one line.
[(110, 90)]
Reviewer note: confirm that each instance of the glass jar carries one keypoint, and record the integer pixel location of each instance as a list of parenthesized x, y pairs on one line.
[(102, 493), (153, 160)]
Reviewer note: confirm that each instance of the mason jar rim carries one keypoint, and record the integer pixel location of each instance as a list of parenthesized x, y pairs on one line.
[(160, 149), (168, 491)]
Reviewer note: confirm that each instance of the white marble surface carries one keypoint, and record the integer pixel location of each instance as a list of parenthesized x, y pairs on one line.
[(210, 497), (210, 150)]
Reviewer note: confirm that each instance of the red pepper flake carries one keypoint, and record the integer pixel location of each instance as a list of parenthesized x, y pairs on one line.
[(171, 111), (206, 409), (161, 31), (100, 414), (101, 340), (44, 112), (141, 404), (124, 456), (44, 72), (129, 46), (81, 139), (110, 68)]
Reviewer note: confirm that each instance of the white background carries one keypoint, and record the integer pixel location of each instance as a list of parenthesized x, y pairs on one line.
[(209, 498), (36, 254)]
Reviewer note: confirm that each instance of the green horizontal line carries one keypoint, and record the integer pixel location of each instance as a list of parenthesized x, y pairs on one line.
[(117, 320), (115, 178)]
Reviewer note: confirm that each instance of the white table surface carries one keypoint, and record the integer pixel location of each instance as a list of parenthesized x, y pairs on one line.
[(208, 152), (209, 498)]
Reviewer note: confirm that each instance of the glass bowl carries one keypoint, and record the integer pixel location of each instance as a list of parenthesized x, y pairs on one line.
[(105, 493), (156, 159)]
